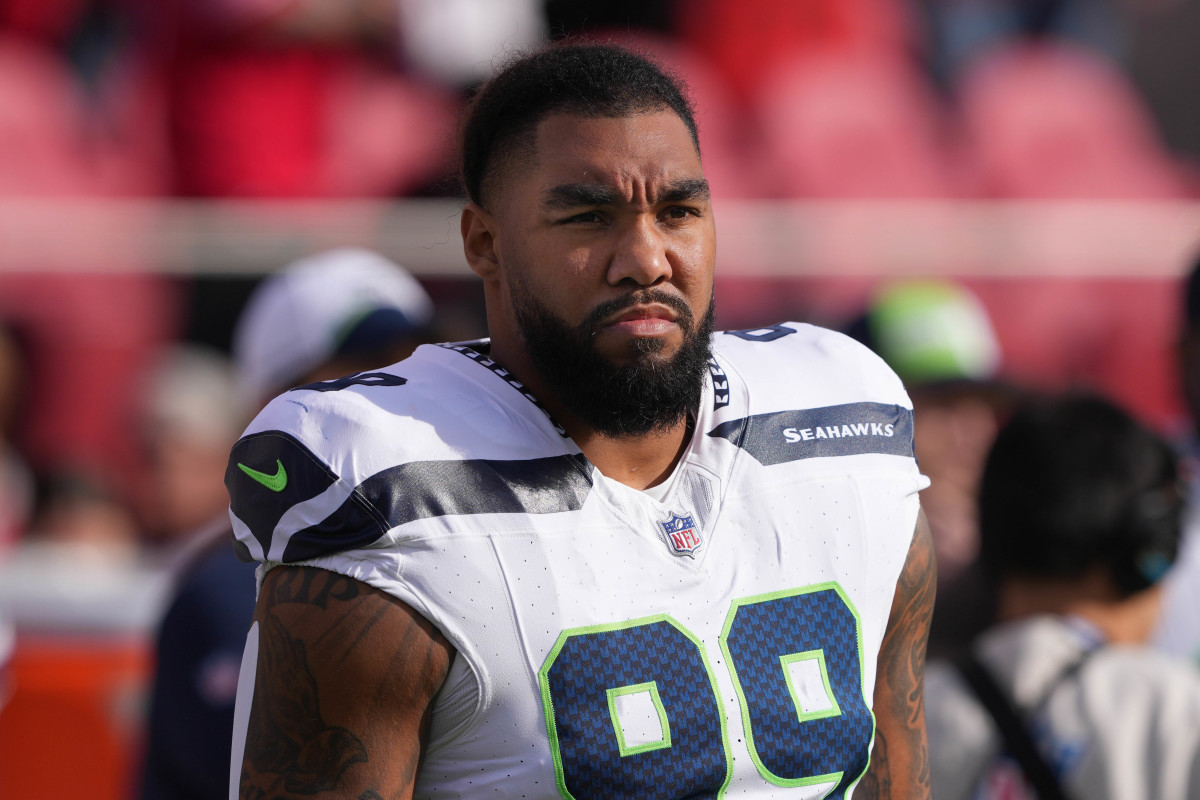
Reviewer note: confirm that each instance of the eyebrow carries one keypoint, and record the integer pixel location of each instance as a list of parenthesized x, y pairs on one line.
[(574, 195), (679, 191)]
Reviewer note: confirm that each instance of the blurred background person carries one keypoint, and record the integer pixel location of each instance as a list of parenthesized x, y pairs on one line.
[(190, 417), (325, 316), (189, 420), (82, 522), (939, 339), (1179, 630), (1080, 514)]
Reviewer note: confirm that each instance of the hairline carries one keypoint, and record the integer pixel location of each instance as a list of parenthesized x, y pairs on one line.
[(519, 147)]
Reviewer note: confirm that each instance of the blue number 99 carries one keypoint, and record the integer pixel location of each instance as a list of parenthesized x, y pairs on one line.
[(632, 709)]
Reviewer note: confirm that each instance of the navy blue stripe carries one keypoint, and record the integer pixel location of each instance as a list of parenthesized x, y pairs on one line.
[(304, 477), (424, 489), (845, 430), (720, 382)]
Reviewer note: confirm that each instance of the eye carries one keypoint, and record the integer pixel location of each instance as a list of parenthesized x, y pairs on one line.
[(679, 213), (584, 218)]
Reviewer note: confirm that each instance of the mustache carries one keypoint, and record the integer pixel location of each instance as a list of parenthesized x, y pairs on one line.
[(608, 308)]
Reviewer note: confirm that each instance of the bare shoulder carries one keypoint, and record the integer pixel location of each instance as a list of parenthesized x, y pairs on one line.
[(900, 756), (345, 680)]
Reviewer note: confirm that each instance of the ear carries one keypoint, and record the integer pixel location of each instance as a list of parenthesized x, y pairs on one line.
[(479, 241)]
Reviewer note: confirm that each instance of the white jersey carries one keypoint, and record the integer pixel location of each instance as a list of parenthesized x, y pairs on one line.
[(1178, 630), (716, 635), (1113, 722)]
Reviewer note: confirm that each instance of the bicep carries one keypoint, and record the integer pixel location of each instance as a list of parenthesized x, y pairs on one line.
[(343, 689), (900, 757)]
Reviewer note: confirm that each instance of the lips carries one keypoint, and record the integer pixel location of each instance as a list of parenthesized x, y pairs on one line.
[(652, 311), (643, 321)]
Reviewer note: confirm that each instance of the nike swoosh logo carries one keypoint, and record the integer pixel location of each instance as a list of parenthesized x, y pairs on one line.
[(275, 483)]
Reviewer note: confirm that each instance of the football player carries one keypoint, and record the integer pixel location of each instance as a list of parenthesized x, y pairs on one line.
[(605, 553)]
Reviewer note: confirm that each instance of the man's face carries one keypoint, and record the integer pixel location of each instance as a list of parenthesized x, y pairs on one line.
[(606, 248)]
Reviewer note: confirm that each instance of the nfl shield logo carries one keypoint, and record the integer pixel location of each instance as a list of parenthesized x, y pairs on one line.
[(683, 537)]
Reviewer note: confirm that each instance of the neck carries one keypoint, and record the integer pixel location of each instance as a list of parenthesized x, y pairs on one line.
[(1125, 620)]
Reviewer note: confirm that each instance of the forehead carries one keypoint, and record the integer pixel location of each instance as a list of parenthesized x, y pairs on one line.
[(633, 153)]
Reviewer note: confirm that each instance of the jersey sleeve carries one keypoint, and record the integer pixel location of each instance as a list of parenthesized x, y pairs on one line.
[(288, 502), (818, 394), (862, 367), (351, 465)]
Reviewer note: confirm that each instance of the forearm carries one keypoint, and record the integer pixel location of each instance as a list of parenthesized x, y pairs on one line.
[(900, 756)]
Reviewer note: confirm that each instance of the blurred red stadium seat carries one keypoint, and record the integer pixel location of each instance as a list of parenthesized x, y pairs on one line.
[(1111, 335), (748, 39), (841, 125), (44, 20), (388, 134), (53, 143), (1053, 121), (90, 331), (42, 148)]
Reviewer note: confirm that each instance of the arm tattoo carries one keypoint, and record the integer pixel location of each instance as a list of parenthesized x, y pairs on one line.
[(901, 676), (315, 587), (877, 783), (325, 636), (287, 734)]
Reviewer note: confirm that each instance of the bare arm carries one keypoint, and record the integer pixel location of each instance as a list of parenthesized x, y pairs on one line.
[(345, 682), (900, 759)]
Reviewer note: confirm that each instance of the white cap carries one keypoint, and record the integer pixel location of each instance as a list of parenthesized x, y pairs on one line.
[(299, 316)]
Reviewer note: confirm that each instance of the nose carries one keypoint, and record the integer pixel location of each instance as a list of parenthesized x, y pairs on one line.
[(641, 255)]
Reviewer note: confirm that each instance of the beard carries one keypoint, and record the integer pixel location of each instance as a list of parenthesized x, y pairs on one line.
[(648, 395)]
